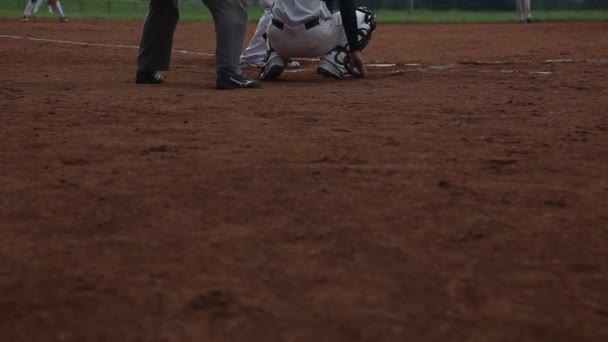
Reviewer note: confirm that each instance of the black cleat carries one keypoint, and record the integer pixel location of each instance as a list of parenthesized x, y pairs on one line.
[(273, 66), (226, 81), (326, 73), (271, 72), (148, 77)]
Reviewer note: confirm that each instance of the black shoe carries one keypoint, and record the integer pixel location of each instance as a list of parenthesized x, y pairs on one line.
[(225, 81), (148, 77), (273, 66)]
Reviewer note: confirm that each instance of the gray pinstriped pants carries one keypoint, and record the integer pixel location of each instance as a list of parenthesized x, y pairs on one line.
[(230, 17)]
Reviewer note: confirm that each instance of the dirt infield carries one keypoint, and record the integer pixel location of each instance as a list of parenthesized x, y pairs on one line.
[(460, 195)]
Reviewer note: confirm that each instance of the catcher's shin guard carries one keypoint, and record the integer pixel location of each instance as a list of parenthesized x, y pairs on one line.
[(366, 23), (335, 64)]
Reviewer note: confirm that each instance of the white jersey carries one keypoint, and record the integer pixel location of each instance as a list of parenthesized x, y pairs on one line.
[(297, 12)]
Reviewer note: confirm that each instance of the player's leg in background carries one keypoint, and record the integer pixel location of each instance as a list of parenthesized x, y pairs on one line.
[(29, 9), (335, 63), (254, 54), (37, 6), (520, 10), (527, 10), (156, 40), (56, 6)]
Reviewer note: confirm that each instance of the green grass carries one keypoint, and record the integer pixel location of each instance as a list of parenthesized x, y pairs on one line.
[(118, 10), (136, 10)]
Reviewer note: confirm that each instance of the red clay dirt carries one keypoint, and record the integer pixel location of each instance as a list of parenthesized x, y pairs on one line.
[(460, 195)]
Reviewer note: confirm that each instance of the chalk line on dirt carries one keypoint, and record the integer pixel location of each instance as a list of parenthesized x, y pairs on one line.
[(97, 44), (373, 65)]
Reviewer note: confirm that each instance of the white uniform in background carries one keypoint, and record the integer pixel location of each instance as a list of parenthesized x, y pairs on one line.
[(33, 6), (37, 7), (523, 11)]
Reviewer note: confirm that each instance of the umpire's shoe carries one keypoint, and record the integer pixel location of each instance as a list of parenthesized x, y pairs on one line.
[(273, 68), (148, 77), (226, 81)]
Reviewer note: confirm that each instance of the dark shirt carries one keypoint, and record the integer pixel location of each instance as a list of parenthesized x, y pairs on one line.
[(349, 20)]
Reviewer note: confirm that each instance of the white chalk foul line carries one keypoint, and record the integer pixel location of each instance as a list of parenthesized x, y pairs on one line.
[(570, 60), (382, 65), (376, 65), (96, 44), (562, 60)]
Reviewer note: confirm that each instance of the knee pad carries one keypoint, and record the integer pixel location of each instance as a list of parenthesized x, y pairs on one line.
[(366, 22)]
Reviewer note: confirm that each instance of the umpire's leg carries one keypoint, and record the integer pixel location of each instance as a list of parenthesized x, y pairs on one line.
[(157, 35), (230, 18)]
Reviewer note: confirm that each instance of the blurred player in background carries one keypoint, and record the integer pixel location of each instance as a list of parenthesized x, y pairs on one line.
[(523, 11), (33, 6), (255, 53), (307, 28)]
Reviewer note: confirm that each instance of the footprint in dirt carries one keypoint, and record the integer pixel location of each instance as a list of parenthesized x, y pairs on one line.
[(228, 318)]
